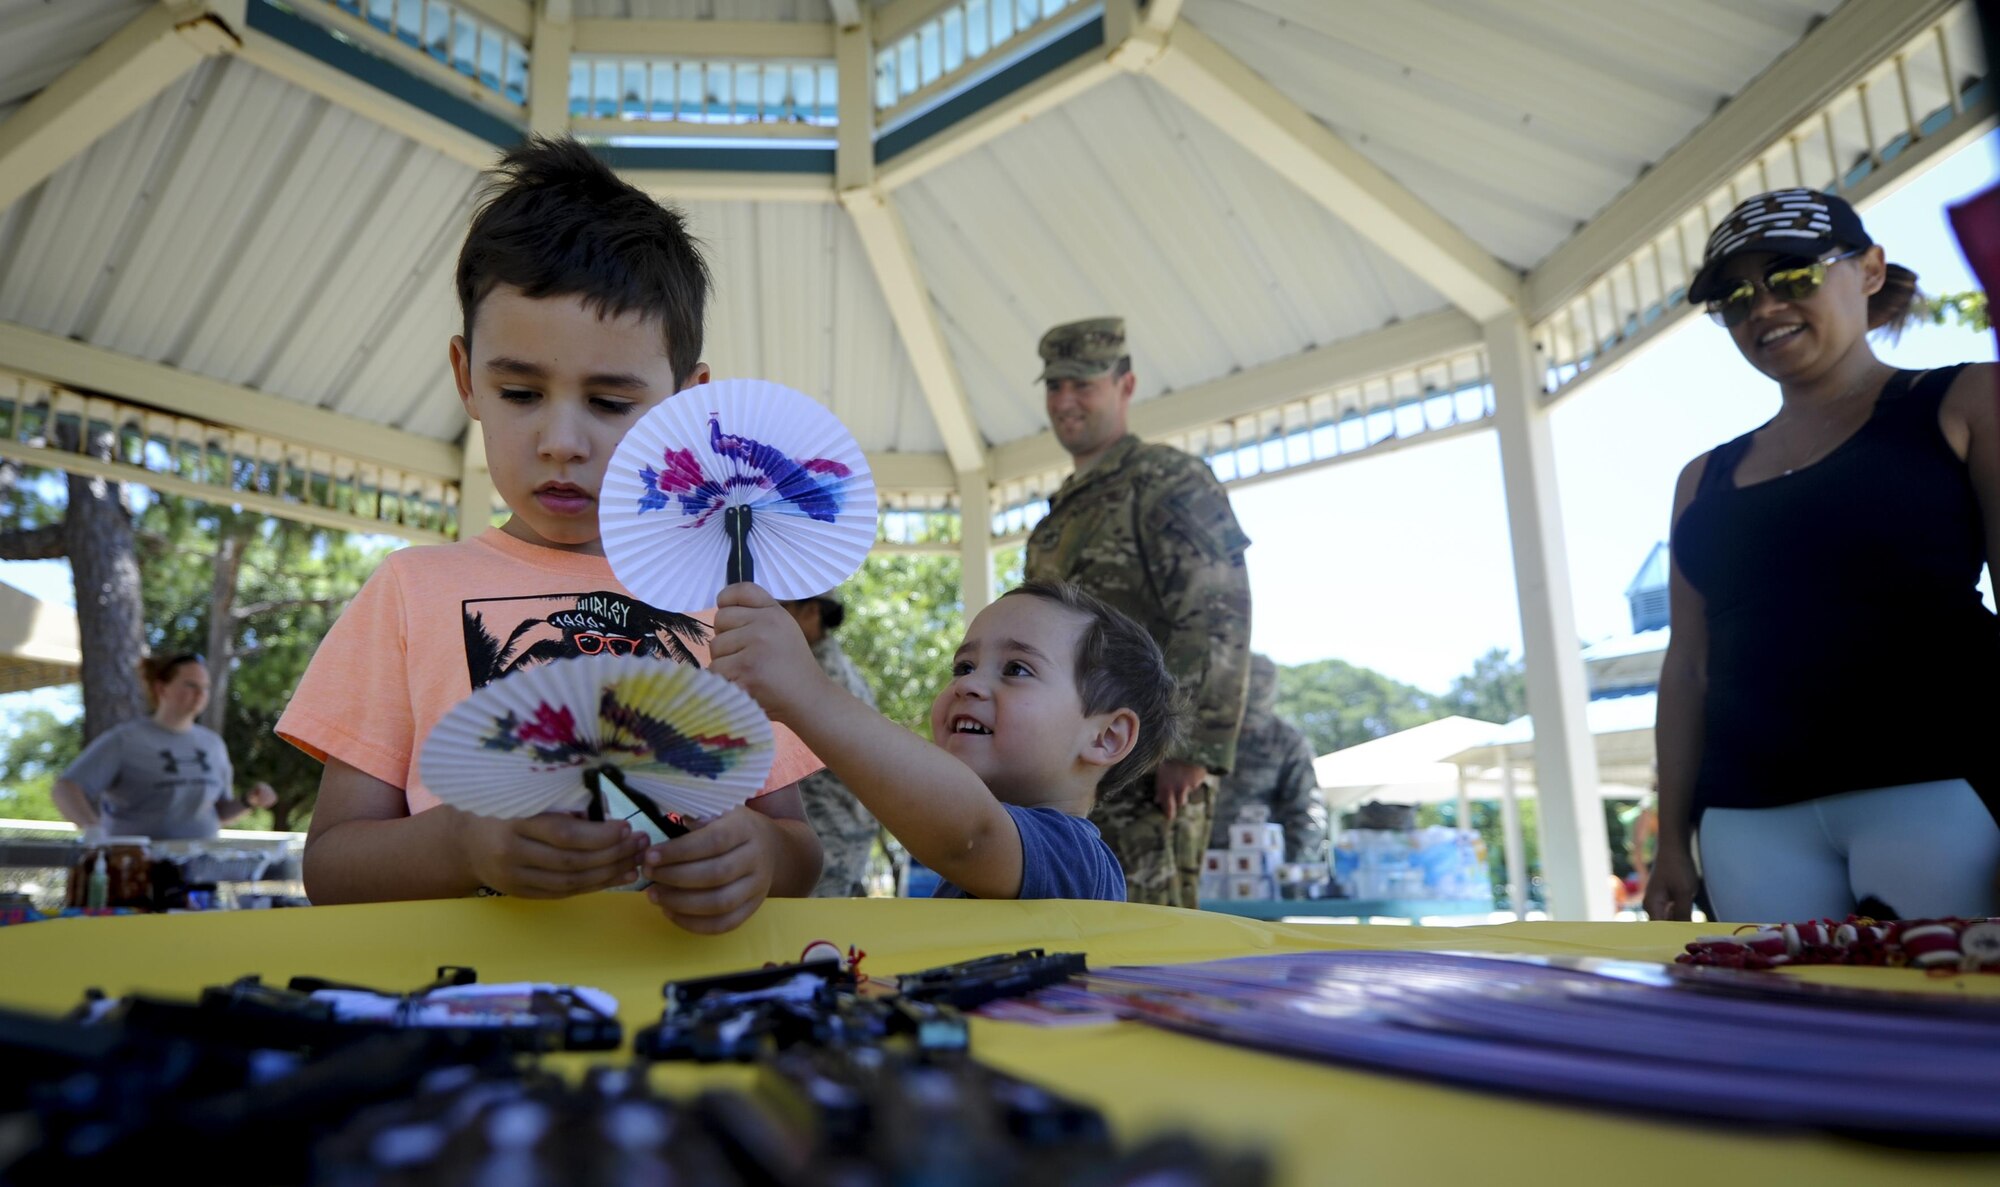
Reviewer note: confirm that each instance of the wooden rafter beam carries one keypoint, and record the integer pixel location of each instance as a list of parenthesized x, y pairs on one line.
[(129, 70), (85, 368), (913, 473), (705, 39), (344, 90), (1272, 128), (709, 185), (1380, 352), (1839, 52), (515, 16), (846, 13), (1046, 93), (349, 93), (898, 17), (887, 247)]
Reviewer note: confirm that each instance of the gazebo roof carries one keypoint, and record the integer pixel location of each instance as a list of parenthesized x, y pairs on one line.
[(227, 229), (279, 210)]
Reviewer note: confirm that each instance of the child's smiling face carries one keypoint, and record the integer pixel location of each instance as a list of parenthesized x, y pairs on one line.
[(554, 388), (1011, 711)]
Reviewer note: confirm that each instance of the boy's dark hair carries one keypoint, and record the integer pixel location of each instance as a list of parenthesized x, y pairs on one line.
[(1118, 666), (557, 222)]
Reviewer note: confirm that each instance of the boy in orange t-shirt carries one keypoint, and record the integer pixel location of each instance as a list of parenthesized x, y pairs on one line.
[(582, 301)]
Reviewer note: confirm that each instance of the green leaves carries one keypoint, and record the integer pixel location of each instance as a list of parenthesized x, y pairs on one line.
[(1336, 704), (292, 583), (1968, 309), (905, 618)]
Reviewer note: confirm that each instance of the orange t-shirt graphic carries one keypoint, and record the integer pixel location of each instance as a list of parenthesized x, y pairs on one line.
[(434, 623)]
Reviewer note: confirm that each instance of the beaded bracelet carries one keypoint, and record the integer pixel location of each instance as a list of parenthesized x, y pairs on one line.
[(1940, 946)]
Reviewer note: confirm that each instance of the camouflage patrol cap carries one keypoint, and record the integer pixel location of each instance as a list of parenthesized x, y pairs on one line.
[(1082, 349)]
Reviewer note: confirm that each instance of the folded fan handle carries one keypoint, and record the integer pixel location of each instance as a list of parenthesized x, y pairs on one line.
[(736, 521), (669, 823)]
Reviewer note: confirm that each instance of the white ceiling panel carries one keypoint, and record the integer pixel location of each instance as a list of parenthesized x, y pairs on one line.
[(1125, 201), (39, 39), (1517, 120), (240, 228), (796, 303)]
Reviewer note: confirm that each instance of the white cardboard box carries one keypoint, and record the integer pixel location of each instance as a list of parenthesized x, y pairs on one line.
[(1252, 888), (1252, 863), (1267, 837)]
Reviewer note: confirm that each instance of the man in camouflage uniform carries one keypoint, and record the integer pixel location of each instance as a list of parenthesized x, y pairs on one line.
[(1274, 767), (847, 831), (1148, 529)]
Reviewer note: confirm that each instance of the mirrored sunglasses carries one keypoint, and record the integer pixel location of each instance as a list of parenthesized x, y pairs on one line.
[(1786, 282)]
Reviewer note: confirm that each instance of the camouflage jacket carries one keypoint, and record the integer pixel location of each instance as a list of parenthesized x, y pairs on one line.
[(836, 664), (1274, 767), (1150, 530), (846, 829)]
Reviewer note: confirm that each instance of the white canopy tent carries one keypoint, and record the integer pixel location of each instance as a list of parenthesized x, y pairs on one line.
[(39, 646), (1458, 759), (1407, 767), (228, 226), (1621, 735)]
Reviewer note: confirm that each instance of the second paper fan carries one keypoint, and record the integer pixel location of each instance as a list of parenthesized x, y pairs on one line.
[(736, 473), (538, 740)]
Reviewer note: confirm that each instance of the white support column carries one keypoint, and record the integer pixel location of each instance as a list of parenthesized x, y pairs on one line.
[(142, 59), (1121, 21), (909, 300), (1249, 110), (548, 68), (1464, 817), (476, 493), (1515, 846), (853, 59), (975, 542), (1576, 859), (1162, 14), (847, 13)]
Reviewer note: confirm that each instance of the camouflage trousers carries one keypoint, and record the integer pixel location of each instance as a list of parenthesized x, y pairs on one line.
[(1162, 860), (846, 834)]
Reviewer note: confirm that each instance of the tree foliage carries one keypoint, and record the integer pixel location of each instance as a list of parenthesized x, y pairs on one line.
[(1336, 704), (1968, 309), (86, 520), (279, 586), (39, 744), (291, 581), (1496, 689), (905, 617)]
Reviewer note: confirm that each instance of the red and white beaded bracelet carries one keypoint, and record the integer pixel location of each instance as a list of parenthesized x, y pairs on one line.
[(1935, 945)]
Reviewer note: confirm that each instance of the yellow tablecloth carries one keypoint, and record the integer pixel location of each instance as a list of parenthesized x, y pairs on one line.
[(1321, 1124)]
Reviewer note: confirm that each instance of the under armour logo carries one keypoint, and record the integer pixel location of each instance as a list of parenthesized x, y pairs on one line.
[(173, 764)]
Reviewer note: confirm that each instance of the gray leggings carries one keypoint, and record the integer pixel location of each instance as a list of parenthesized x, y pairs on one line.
[(1926, 850)]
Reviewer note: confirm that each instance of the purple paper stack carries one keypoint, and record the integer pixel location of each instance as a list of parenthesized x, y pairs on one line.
[(1700, 1043)]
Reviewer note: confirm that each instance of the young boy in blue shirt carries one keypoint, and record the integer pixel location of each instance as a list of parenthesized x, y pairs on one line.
[(1055, 698), (582, 301)]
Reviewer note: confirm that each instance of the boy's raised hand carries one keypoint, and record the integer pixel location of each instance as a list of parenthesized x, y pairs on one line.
[(715, 877), (760, 649), (553, 855)]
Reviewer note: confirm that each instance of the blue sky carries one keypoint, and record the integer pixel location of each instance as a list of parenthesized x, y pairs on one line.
[(1401, 562)]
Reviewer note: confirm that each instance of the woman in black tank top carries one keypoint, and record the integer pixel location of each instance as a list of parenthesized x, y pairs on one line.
[(1830, 651)]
